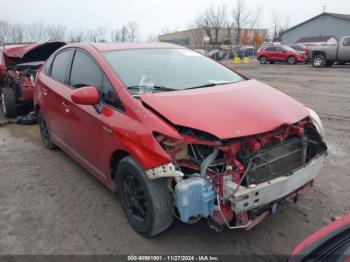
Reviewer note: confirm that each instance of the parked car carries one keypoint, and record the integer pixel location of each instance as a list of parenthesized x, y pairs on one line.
[(246, 50), (331, 243), (177, 133), (327, 55), (216, 54), (279, 53), (18, 67)]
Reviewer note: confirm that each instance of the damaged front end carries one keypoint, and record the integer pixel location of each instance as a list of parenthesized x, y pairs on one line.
[(238, 182)]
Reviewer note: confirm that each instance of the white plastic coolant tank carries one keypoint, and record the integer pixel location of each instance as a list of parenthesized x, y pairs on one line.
[(195, 196)]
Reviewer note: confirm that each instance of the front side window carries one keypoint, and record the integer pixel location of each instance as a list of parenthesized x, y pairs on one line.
[(60, 65), (158, 70), (85, 72)]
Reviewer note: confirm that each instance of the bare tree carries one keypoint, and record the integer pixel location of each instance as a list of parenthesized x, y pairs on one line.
[(4, 32), (78, 35), (17, 33), (127, 33), (240, 17), (212, 20), (276, 26), (254, 21), (56, 32), (97, 35), (153, 38), (37, 32), (132, 30)]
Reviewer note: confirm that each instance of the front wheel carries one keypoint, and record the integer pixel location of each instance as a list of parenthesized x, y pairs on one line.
[(263, 60), (319, 61), (9, 102), (291, 60), (148, 204)]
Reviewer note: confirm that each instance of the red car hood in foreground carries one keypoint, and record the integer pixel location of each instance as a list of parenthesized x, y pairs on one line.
[(228, 111)]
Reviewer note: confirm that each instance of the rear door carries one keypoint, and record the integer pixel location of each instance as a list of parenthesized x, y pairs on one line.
[(53, 88), (344, 50), (280, 54), (271, 53), (83, 127)]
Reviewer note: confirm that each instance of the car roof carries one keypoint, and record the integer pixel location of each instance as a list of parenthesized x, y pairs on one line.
[(101, 47)]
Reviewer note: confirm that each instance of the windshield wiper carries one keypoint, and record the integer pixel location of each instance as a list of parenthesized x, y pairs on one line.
[(153, 87), (211, 84)]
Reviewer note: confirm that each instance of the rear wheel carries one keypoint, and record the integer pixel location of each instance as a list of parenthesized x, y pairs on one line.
[(319, 61), (291, 60), (263, 60), (45, 136), (148, 204), (9, 102)]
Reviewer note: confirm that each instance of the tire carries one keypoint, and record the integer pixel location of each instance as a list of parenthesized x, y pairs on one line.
[(318, 61), (263, 60), (44, 132), (9, 102), (291, 60), (148, 204), (272, 62)]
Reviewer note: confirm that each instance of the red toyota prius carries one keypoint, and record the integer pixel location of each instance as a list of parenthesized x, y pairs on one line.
[(177, 134)]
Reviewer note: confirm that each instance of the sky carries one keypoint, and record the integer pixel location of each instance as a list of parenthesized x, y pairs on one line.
[(153, 16)]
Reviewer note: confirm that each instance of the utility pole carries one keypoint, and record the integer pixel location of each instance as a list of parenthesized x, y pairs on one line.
[(324, 8)]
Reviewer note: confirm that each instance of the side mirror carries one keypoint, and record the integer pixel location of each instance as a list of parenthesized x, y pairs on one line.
[(87, 95)]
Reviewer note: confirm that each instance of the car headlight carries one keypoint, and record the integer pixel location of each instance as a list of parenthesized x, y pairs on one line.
[(317, 121)]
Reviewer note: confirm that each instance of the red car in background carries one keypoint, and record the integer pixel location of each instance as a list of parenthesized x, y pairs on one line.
[(178, 134), (18, 67), (279, 53)]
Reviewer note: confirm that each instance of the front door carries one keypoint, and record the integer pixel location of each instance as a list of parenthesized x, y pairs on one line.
[(83, 127)]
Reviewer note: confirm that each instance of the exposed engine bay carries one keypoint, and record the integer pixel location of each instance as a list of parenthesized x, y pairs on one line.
[(237, 182), (21, 78)]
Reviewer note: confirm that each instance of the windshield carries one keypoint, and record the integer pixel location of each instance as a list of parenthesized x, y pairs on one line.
[(167, 69)]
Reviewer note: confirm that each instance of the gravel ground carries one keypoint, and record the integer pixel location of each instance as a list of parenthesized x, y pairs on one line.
[(50, 205)]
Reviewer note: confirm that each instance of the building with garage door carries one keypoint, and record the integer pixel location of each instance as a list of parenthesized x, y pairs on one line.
[(323, 25)]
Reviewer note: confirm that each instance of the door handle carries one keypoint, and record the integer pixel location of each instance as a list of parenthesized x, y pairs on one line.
[(66, 106)]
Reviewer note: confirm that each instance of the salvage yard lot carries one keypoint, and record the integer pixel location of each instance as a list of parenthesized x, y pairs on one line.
[(50, 205)]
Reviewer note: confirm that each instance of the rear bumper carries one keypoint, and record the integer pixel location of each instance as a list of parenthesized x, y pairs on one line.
[(263, 194)]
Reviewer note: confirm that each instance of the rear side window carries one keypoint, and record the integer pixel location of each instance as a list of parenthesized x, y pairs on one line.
[(85, 72), (347, 41), (60, 65)]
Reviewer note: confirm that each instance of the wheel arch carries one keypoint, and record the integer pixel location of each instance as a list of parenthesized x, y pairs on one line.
[(115, 159), (315, 53)]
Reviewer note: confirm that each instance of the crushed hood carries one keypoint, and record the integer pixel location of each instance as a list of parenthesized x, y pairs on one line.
[(31, 52), (228, 111)]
